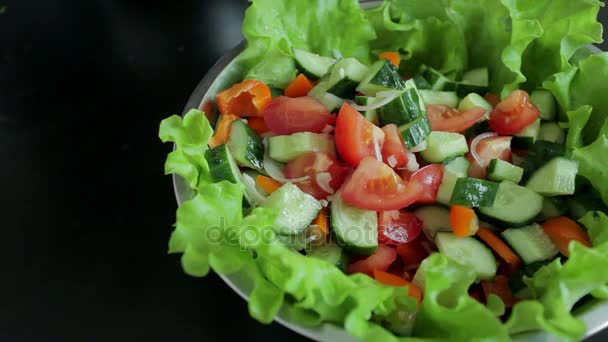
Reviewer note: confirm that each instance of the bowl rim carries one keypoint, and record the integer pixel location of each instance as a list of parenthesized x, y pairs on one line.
[(590, 313)]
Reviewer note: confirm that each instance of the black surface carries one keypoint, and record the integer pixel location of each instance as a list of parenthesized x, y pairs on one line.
[(86, 211)]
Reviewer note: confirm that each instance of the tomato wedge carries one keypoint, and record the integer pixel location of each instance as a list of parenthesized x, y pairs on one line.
[(248, 98), (375, 186), (513, 114), (394, 151), (448, 119), (356, 137), (430, 177), (398, 226), (285, 115), (323, 170), (412, 253), (500, 287), (488, 149), (381, 261)]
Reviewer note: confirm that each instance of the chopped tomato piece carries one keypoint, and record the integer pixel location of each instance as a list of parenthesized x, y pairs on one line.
[(209, 109), (448, 119), (258, 125), (356, 137), (513, 114), (562, 230), (381, 260), (324, 173), (248, 98), (412, 253), (398, 226), (494, 99), (394, 151), (500, 287), (375, 186), (488, 149), (430, 177), (285, 115), (299, 87)]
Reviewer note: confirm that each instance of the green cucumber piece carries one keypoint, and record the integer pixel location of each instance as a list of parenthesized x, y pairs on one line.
[(500, 170), (526, 138), (405, 108), (246, 146), (284, 148), (473, 192), (477, 77), (475, 100), (222, 165), (552, 207), (463, 90), (541, 153), (550, 131), (545, 102), (454, 169), (555, 178), (330, 101), (382, 75), (442, 146), (421, 82), (513, 206), (459, 166), (434, 219), (296, 209), (436, 97), (415, 132), (530, 243), (345, 76), (436, 80), (312, 65), (468, 252), (356, 229), (330, 252), (371, 115)]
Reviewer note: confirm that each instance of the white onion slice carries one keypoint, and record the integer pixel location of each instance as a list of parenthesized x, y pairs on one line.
[(252, 189), (333, 98), (420, 147), (324, 203), (377, 149), (378, 104), (323, 180), (412, 163), (327, 129), (275, 171), (474, 146), (392, 160)]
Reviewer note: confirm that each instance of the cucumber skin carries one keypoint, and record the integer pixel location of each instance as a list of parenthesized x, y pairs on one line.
[(337, 220), (484, 212), (473, 192), (253, 149)]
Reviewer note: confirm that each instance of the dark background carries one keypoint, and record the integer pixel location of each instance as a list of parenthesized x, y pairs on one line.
[(85, 209)]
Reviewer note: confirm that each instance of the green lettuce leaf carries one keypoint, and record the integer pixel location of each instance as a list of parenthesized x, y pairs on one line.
[(593, 164), (326, 27)]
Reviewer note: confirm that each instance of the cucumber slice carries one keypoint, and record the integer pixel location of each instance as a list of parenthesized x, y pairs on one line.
[(381, 76), (477, 76), (514, 205), (436, 80), (545, 102), (442, 146), (500, 170), (454, 169), (356, 229), (405, 108), (475, 100), (345, 76), (552, 207), (473, 192), (246, 146), (296, 209), (284, 148), (312, 65), (526, 138), (468, 252), (436, 97), (330, 101), (550, 131), (371, 115), (222, 165), (541, 153), (531, 243), (434, 219), (421, 82), (555, 178), (330, 252), (415, 132)]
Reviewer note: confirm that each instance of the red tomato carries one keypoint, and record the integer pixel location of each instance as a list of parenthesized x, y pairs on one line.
[(488, 149), (356, 137), (398, 226), (499, 287), (513, 114), (381, 260), (286, 115), (313, 164), (430, 177), (413, 252), (448, 119), (394, 150), (494, 99), (375, 186)]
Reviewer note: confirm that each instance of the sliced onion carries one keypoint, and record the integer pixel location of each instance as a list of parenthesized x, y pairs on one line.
[(474, 146), (323, 180), (252, 189), (377, 149), (420, 147), (393, 95), (333, 98), (392, 160), (328, 129), (275, 171), (412, 163), (324, 203)]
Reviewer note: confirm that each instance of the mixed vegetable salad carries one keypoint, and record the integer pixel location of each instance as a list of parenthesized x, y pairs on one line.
[(433, 170)]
